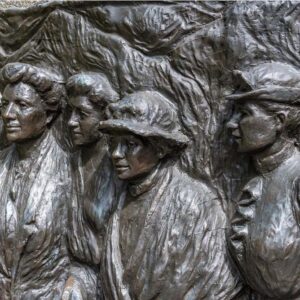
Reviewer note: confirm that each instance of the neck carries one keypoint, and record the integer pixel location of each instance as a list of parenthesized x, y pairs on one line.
[(271, 150), (145, 183), (27, 148), (272, 156), (93, 150)]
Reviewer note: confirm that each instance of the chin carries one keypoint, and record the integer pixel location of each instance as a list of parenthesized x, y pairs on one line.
[(14, 138), (243, 150), (78, 143), (249, 149), (123, 176)]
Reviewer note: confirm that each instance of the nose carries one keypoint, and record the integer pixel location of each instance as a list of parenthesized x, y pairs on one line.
[(73, 121), (118, 152), (232, 123), (10, 112)]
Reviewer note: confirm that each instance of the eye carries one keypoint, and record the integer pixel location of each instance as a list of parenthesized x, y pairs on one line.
[(244, 113), (4, 103), (83, 114), (112, 142), (23, 104), (131, 144)]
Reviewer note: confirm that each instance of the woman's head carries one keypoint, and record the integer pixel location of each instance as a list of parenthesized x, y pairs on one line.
[(88, 95), (31, 99), (267, 105), (134, 156), (144, 128)]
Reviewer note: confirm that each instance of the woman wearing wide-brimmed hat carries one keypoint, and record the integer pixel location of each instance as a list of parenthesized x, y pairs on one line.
[(265, 233), (167, 239)]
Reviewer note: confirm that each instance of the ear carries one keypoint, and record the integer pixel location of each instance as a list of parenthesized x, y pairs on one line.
[(50, 116), (162, 151), (161, 154), (281, 119)]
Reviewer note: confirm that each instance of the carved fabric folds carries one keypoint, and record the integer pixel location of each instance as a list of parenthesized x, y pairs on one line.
[(33, 255), (168, 242), (265, 234), (93, 200)]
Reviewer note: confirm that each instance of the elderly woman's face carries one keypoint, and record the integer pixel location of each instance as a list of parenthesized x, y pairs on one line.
[(252, 128), (23, 113), (84, 121), (132, 156)]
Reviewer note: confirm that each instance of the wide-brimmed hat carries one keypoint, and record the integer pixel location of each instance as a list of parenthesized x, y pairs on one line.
[(272, 81), (147, 114)]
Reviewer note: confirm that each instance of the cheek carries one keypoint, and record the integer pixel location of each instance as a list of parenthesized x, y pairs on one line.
[(143, 160), (261, 130), (32, 118), (89, 125)]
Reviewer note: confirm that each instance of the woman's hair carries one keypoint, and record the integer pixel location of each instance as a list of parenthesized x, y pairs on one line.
[(292, 112), (48, 85), (93, 85)]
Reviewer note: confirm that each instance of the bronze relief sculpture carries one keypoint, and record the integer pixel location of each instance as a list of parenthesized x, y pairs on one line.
[(265, 233), (125, 190), (154, 245), (34, 186)]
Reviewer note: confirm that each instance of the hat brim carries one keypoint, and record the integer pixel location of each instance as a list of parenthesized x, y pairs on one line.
[(144, 130), (276, 94)]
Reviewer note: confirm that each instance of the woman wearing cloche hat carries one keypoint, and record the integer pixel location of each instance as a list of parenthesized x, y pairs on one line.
[(265, 236), (167, 239)]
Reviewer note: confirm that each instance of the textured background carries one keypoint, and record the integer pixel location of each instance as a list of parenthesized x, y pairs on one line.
[(19, 3), (186, 50)]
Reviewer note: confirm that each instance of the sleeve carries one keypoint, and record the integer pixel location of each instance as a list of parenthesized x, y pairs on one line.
[(296, 199), (82, 284), (203, 269)]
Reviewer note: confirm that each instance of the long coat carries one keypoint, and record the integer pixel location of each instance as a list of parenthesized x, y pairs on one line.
[(265, 234), (93, 201), (34, 192), (167, 241)]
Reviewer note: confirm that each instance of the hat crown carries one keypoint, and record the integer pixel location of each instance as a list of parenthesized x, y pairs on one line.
[(274, 74), (147, 107)]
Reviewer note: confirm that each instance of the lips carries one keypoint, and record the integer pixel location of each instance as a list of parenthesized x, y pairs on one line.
[(76, 133), (236, 134), (121, 167), (12, 128)]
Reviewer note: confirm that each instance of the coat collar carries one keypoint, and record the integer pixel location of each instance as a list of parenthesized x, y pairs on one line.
[(270, 163), (140, 187)]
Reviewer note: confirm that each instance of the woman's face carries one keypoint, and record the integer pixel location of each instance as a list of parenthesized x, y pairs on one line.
[(84, 121), (132, 156), (252, 127), (23, 113)]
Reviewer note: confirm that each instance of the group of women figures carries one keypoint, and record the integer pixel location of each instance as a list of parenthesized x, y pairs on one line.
[(118, 219)]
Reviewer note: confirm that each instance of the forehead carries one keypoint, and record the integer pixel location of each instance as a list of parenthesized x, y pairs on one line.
[(247, 104), (19, 90), (80, 102)]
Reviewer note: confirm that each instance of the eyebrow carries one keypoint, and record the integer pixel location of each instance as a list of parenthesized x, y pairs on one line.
[(22, 100), (80, 107)]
